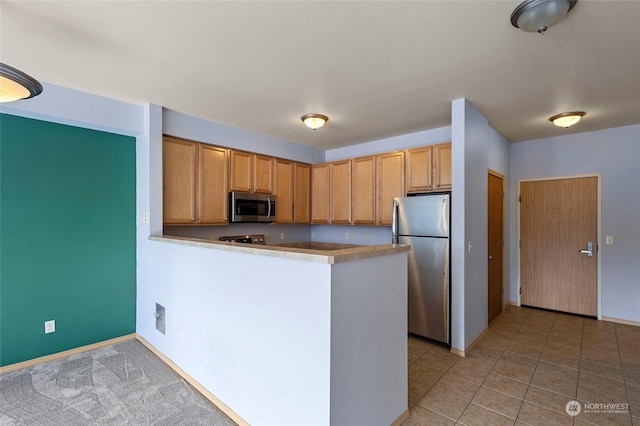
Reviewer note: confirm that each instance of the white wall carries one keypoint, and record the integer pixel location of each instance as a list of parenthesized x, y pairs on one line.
[(476, 147), (615, 154)]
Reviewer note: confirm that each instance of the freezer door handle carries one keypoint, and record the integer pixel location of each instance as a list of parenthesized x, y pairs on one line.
[(394, 223)]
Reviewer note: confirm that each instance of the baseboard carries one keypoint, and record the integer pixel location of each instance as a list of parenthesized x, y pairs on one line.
[(30, 363), (401, 419), (193, 382), (462, 352), (621, 321)]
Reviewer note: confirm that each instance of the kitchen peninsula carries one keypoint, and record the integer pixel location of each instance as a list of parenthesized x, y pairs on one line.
[(288, 334)]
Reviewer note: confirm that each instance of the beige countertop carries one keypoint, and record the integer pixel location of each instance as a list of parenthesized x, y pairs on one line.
[(309, 251)]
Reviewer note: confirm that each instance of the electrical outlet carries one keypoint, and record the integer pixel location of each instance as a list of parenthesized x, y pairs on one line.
[(346, 235), (352, 236), (609, 240), (366, 237), (49, 326), (145, 217), (282, 235), (313, 235)]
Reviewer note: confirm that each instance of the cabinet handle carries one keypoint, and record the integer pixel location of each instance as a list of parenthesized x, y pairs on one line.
[(193, 219), (437, 185), (429, 186)]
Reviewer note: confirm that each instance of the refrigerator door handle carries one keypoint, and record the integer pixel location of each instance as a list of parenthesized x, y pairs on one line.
[(394, 223)]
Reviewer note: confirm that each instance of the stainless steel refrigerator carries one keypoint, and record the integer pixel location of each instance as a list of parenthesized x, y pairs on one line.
[(423, 222)]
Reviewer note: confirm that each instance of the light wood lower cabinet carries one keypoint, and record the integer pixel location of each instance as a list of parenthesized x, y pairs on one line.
[(195, 184), (389, 184), (363, 189)]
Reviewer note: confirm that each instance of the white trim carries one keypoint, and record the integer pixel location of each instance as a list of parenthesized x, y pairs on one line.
[(598, 177)]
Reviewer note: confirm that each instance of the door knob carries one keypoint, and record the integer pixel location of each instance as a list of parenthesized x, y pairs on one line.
[(490, 257), (589, 250)]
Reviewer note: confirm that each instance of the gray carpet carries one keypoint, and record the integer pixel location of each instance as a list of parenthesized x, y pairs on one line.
[(122, 384)]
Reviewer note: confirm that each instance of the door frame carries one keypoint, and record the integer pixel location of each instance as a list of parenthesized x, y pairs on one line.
[(505, 279), (598, 177)]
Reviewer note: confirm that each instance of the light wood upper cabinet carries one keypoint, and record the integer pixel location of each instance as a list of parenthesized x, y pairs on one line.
[(213, 185), (320, 193), (251, 172), (389, 184), (263, 174), (442, 166), (302, 193), (195, 184), (429, 168), (284, 191), (363, 190), (340, 189), (419, 173), (179, 161)]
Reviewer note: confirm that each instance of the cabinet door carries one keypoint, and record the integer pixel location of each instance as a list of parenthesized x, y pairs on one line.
[(178, 180), (302, 192), (419, 176), (263, 174), (340, 189), (284, 191), (363, 188), (390, 184), (241, 174), (213, 185), (442, 166), (320, 193)]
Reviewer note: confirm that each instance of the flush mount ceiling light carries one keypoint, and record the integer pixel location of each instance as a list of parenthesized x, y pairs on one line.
[(539, 15), (14, 84), (314, 121), (567, 119)]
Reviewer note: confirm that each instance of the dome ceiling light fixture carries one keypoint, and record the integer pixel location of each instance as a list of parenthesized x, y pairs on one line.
[(314, 121), (539, 15), (567, 119), (16, 85)]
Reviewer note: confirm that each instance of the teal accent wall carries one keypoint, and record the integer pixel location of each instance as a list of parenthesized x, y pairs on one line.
[(67, 237)]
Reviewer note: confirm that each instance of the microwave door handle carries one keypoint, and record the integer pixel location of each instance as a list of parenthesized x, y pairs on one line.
[(269, 208)]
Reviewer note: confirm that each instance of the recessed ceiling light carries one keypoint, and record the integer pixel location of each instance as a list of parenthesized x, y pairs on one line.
[(314, 121), (15, 85), (567, 119)]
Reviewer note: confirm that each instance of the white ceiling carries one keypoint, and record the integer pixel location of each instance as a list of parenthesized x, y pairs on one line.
[(377, 69)]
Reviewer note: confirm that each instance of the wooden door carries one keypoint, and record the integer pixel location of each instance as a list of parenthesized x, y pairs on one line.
[(213, 185), (241, 171), (263, 174), (320, 193), (389, 184), (363, 190), (419, 169), (284, 191), (442, 166), (495, 244), (302, 191), (558, 218), (178, 180), (340, 189)]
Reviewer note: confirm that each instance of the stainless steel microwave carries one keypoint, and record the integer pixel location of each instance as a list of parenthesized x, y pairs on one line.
[(251, 207)]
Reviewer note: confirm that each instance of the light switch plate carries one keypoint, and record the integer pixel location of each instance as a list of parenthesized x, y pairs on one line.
[(609, 240), (49, 326)]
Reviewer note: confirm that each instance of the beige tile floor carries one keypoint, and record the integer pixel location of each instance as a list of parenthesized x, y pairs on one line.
[(525, 370)]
